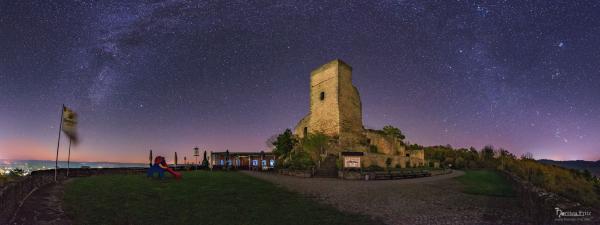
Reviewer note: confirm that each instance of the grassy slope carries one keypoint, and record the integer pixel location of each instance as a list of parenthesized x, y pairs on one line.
[(199, 198), (486, 182)]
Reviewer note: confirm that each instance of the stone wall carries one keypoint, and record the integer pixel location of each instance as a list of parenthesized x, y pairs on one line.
[(335, 107), (417, 157), (297, 173), (540, 205), (336, 110), (299, 129), (385, 145), (370, 159), (325, 112), (350, 107), (13, 194)]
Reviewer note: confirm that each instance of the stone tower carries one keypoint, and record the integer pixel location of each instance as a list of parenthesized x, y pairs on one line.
[(335, 107)]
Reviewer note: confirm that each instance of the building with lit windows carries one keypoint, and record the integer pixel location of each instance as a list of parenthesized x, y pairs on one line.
[(243, 160)]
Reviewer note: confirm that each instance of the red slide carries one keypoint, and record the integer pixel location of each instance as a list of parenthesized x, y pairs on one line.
[(176, 174)]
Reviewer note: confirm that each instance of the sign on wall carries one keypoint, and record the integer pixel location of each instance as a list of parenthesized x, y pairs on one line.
[(351, 161)]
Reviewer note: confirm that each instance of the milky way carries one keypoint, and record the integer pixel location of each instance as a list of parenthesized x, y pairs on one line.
[(167, 76)]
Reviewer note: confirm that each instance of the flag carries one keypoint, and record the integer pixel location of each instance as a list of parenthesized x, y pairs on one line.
[(69, 124)]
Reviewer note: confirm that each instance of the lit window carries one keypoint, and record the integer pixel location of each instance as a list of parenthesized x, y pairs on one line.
[(272, 163), (255, 162)]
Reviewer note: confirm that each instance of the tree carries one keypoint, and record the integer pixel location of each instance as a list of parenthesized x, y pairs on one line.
[(487, 152), (388, 163), (284, 144), (17, 172), (393, 132), (527, 155), (205, 161), (315, 144), (270, 142)]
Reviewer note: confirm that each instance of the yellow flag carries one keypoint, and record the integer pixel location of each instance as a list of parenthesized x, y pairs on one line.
[(69, 125)]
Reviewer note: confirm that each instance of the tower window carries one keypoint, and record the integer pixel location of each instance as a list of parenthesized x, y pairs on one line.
[(322, 97), (305, 131)]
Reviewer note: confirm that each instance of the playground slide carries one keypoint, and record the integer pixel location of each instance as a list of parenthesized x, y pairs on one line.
[(176, 174)]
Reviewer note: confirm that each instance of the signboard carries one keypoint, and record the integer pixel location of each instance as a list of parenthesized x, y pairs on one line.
[(196, 152), (351, 161)]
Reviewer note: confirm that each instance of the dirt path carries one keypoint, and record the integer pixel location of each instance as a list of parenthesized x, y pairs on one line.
[(430, 200), (43, 207)]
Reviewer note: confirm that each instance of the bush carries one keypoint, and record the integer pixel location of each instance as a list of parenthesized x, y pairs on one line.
[(300, 161), (373, 149), (555, 179), (16, 172), (374, 168)]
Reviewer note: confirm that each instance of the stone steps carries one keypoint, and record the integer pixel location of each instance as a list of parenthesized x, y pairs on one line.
[(327, 168)]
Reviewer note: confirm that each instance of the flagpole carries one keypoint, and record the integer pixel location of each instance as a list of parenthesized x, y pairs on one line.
[(69, 158), (58, 144)]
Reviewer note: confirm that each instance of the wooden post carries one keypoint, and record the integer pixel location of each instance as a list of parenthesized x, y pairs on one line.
[(69, 158), (58, 144), (150, 158)]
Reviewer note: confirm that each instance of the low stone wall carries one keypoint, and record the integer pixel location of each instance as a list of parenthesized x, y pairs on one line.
[(13, 194), (358, 175), (350, 175), (296, 173), (440, 172), (541, 206)]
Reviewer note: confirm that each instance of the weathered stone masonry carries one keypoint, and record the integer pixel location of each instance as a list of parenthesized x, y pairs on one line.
[(336, 110)]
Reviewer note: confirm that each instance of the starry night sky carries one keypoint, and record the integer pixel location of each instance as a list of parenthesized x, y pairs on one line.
[(167, 76)]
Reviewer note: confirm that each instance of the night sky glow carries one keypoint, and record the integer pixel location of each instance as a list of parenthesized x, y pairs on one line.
[(167, 76)]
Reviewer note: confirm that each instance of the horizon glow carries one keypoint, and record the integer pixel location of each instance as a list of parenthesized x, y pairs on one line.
[(169, 76)]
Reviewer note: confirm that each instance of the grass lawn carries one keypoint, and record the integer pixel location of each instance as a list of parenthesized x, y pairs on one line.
[(199, 198), (486, 182)]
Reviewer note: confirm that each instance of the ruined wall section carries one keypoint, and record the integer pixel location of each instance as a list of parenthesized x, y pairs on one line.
[(417, 157), (385, 144), (304, 123)]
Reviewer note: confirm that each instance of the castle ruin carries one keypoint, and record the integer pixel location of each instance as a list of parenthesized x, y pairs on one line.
[(336, 110)]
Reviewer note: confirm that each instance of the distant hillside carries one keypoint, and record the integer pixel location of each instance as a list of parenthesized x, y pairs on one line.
[(592, 166)]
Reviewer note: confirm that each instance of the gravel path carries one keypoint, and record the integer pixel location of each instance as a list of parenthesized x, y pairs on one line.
[(430, 200)]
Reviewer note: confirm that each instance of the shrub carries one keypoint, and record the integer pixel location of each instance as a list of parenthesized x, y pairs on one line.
[(284, 144), (374, 168), (300, 161), (555, 179), (373, 149), (16, 172), (388, 163), (315, 144)]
